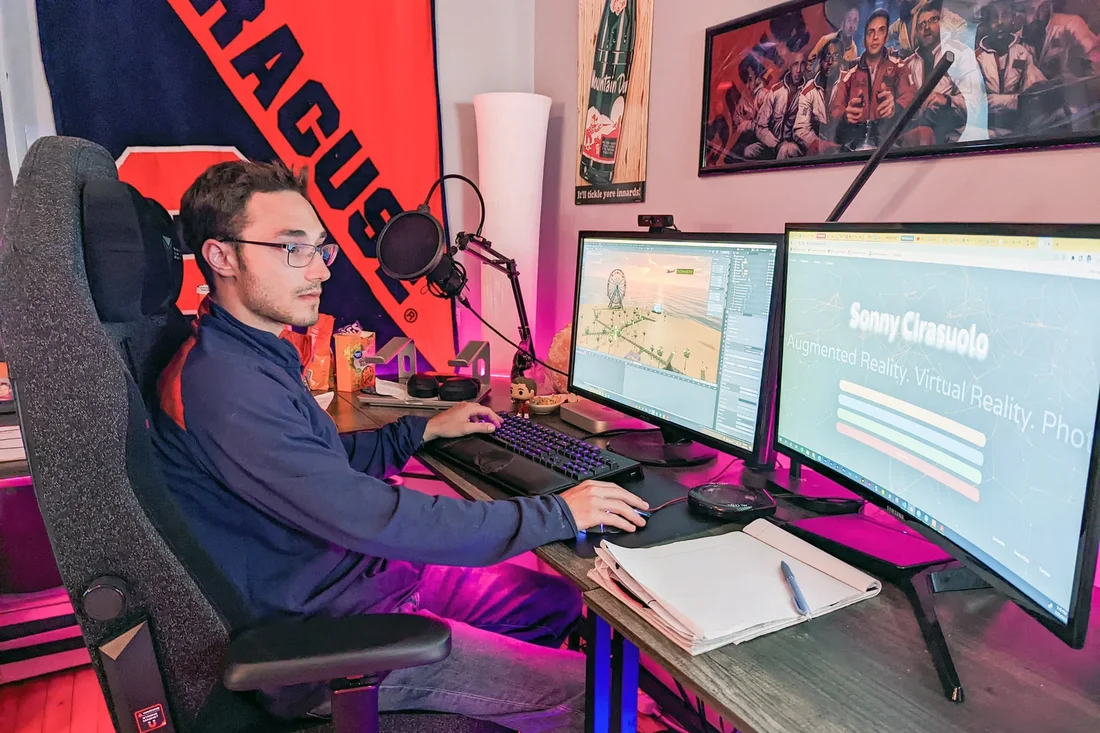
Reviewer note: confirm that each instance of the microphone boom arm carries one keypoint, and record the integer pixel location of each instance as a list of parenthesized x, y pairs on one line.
[(482, 248)]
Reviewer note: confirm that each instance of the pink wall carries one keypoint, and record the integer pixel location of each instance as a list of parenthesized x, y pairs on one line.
[(1055, 186), (1052, 186)]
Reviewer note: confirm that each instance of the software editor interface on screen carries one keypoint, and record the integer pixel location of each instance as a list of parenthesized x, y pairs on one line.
[(676, 329), (957, 376)]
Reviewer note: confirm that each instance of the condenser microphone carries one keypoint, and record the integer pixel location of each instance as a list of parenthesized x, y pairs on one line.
[(413, 245)]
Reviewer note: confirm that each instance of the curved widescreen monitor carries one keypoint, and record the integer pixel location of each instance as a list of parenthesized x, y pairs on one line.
[(953, 372), (673, 328)]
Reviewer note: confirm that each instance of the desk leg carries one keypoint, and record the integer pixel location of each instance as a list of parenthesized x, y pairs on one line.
[(597, 705), (624, 685)]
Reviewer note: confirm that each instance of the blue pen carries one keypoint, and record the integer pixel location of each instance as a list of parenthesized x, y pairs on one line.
[(799, 599)]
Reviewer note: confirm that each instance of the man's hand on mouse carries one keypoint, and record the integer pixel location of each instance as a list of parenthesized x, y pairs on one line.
[(464, 418), (598, 502)]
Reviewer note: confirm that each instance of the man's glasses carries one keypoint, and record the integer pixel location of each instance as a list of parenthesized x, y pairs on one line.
[(928, 22), (300, 255)]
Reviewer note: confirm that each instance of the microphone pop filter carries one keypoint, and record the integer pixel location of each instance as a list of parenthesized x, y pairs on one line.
[(411, 244)]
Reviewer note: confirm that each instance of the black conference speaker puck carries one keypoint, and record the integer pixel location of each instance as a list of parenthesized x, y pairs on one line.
[(731, 502)]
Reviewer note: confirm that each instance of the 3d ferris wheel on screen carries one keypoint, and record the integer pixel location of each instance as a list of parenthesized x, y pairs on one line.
[(616, 289)]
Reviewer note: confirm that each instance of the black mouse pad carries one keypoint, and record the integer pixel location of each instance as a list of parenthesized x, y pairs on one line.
[(674, 522)]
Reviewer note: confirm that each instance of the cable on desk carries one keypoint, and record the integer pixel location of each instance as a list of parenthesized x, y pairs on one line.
[(670, 502), (719, 475)]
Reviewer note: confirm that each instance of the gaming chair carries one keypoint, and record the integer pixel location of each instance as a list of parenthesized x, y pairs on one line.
[(89, 274)]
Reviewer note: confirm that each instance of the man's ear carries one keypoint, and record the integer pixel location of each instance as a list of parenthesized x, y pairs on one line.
[(222, 258)]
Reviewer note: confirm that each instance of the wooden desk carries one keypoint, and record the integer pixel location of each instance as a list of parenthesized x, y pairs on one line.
[(862, 669), (865, 669)]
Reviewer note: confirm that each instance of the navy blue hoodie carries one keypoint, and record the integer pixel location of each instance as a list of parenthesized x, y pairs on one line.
[(296, 515)]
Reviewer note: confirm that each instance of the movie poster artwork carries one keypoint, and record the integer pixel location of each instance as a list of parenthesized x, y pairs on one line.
[(823, 82)]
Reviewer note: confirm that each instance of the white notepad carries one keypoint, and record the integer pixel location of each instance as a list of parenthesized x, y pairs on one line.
[(11, 444), (709, 592)]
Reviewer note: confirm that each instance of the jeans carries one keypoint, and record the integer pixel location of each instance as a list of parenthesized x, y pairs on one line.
[(506, 665)]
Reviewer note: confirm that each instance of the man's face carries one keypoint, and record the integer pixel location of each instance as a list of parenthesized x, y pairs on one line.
[(1000, 24), (1038, 12), (266, 284), (830, 56), (851, 23), (798, 70), (928, 28), (875, 36)]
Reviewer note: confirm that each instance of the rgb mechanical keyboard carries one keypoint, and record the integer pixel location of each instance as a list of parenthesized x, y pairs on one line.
[(529, 459)]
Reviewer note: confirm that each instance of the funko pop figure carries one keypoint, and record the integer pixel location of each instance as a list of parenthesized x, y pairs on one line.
[(523, 389)]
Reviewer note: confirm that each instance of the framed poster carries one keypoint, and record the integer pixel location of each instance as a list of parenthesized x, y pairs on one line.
[(813, 82), (613, 100)]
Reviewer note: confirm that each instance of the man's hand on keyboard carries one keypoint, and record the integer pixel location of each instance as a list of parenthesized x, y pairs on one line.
[(599, 502), (464, 418)]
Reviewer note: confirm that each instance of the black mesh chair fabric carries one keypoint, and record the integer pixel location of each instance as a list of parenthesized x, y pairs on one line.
[(89, 274)]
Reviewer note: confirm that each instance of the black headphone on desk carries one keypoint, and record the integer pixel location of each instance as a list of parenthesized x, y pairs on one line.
[(446, 388)]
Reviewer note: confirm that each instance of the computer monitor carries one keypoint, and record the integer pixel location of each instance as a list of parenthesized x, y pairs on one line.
[(673, 328), (952, 373)]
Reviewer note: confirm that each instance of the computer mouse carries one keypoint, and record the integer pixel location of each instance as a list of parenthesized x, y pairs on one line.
[(604, 529), (612, 529)]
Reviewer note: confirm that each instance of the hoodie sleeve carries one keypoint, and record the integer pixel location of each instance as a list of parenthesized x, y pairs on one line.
[(261, 446), (385, 451)]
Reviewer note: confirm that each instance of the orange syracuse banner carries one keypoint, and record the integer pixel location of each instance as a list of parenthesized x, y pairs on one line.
[(346, 88)]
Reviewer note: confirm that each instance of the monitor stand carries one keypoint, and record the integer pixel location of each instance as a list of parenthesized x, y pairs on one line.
[(905, 559), (669, 448)]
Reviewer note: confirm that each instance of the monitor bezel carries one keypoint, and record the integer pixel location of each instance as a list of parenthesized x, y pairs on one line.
[(1072, 632), (761, 455)]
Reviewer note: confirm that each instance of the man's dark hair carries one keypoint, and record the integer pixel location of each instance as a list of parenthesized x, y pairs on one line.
[(214, 206), (880, 13)]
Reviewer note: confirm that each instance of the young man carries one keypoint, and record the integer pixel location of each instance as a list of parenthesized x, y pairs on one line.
[(874, 91), (944, 113), (299, 518), (776, 117), (812, 128), (1008, 67)]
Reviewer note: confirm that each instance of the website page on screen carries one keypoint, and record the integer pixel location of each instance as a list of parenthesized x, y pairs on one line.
[(677, 330), (956, 376)]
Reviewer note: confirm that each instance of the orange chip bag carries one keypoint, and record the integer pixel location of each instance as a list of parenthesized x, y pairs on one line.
[(318, 372), (315, 351)]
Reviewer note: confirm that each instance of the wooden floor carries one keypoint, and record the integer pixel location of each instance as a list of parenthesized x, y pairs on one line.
[(64, 702)]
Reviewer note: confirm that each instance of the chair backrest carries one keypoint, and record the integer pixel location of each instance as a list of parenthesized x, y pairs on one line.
[(82, 356)]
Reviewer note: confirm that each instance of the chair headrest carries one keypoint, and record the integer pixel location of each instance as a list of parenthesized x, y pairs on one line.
[(131, 252)]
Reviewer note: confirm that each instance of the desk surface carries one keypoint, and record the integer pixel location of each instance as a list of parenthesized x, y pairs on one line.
[(862, 669), (865, 669), (558, 555)]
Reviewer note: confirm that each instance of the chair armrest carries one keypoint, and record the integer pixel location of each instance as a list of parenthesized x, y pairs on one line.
[(324, 649)]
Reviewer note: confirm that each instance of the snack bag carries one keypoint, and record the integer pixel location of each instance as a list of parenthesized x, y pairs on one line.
[(318, 370), (314, 349), (353, 373)]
